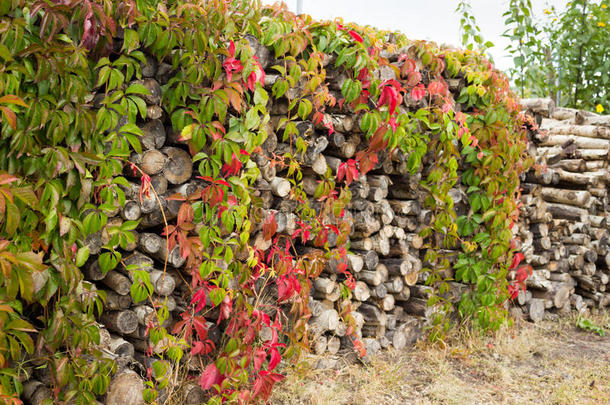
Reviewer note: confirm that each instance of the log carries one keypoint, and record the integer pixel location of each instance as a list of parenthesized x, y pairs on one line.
[(577, 239), (324, 285), (319, 344), (361, 291), (570, 197), (156, 246), (540, 106), (559, 294), (580, 141), (372, 278), (280, 186), (379, 291), (35, 392), (567, 212), (412, 275), (542, 243), (572, 165), (125, 388), (417, 307), (405, 207), (327, 320), (179, 166), (154, 91), (193, 393), (163, 283), (387, 302), (115, 301), (372, 315), (399, 248), (588, 118), (397, 337), (394, 285), (535, 310), (365, 224), (333, 345), (414, 240), (590, 131), (117, 282), (153, 135), (120, 347), (153, 162), (403, 295), (131, 211), (123, 322)]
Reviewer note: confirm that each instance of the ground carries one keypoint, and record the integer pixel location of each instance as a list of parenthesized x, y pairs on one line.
[(552, 362)]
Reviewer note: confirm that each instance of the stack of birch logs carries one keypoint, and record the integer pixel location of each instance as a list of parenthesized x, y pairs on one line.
[(565, 219)]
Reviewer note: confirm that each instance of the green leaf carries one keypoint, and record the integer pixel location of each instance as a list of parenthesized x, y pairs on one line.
[(130, 40), (81, 256), (137, 88), (5, 53)]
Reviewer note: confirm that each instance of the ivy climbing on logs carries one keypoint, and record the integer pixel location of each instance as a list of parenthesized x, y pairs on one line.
[(74, 94)]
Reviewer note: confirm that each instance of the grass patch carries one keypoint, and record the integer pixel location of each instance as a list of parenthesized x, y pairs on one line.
[(553, 362)]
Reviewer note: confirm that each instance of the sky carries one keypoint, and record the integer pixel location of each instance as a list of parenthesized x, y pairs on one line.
[(433, 20)]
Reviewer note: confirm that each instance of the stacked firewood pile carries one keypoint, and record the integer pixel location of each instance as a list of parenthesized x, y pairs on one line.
[(564, 221), (563, 229)]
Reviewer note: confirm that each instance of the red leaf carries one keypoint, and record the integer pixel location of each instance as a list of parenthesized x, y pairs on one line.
[(210, 377), (517, 258), (197, 348), (390, 95), (12, 99), (199, 299), (413, 78), (341, 171), (523, 273), (231, 49), (232, 169), (259, 358), (436, 87), (355, 36), (317, 117), (366, 160), (418, 92), (269, 227), (225, 308), (185, 214), (275, 358), (513, 291)]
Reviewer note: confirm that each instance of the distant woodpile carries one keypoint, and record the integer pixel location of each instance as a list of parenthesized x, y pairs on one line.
[(564, 219)]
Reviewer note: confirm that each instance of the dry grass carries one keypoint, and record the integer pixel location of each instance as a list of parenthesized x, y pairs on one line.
[(549, 363)]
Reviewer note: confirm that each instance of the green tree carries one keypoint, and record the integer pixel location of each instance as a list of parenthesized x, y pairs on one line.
[(564, 55)]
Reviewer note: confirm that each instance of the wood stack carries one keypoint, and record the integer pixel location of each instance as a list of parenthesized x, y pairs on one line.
[(563, 229), (564, 222)]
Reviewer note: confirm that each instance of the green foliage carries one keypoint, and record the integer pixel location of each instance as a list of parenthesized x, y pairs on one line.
[(470, 31), (590, 326)]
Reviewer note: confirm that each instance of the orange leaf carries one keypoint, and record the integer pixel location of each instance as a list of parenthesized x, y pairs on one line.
[(10, 116), (234, 99), (12, 99)]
